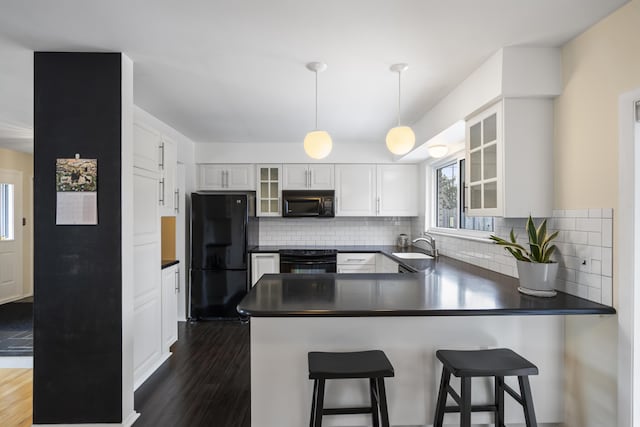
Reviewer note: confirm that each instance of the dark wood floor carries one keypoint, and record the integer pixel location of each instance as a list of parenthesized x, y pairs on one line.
[(205, 383)]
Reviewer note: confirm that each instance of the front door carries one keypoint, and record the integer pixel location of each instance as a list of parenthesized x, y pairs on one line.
[(10, 235)]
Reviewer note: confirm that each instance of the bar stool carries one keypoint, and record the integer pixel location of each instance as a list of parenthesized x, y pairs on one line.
[(372, 364), (498, 363)]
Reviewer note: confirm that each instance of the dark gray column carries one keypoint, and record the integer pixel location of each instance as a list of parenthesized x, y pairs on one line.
[(77, 269)]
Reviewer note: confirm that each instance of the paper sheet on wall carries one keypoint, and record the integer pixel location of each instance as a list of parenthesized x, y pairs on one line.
[(76, 192)]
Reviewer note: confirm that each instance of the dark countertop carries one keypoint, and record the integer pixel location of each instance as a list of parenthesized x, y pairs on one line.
[(411, 264), (448, 288), (168, 263)]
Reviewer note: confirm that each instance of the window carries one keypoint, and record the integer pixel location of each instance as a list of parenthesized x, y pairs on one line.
[(6, 212), (450, 200), (447, 201)]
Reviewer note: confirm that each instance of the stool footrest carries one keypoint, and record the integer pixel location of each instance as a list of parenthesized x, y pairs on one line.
[(347, 411), (474, 408), (513, 393)]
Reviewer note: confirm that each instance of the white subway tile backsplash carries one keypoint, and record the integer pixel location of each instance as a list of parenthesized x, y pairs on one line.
[(584, 250), (607, 290), (595, 294), (589, 224), (607, 262), (577, 213), (575, 237), (588, 279), (595, 238), (595, 213), (332, 232), (607, 233)]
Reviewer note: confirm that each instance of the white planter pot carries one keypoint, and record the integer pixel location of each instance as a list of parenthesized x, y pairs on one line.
[(537, 279)]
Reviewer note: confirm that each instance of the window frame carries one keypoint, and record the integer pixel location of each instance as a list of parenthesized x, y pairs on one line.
[(432, 217)]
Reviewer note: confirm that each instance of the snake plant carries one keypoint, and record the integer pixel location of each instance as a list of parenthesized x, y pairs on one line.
[(540, 247)]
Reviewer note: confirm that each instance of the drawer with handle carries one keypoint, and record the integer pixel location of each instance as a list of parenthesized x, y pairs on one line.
[(356, 258)]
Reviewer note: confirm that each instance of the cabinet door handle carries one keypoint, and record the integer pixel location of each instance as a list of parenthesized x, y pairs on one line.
[(161, 188), (337, 210), (161, 156), (310, 179), (306, 178), (177, 200), (378, 205), (356, 259), (464, 198), (177, 288)]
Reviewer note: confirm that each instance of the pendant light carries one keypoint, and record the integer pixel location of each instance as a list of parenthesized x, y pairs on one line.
[(317, 143), (400, 139), (438, 150)]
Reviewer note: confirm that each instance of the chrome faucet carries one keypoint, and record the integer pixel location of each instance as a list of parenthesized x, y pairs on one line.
[(428, 238)]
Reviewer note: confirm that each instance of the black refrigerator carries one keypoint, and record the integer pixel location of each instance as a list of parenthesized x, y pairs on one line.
[(223, 228)]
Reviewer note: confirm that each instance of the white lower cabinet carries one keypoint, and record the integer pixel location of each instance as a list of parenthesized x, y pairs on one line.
[(356, 263), (264, 263), (384, 264), (170, 290)]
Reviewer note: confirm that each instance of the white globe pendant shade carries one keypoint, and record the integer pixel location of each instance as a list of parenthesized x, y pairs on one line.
[(400, 140), (317, 144)]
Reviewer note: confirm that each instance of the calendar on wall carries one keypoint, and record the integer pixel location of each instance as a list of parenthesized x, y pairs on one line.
[(76, 191)]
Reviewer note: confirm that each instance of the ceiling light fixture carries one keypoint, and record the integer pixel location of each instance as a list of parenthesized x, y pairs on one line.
[(400, 139), (317, 143), (438, 150)]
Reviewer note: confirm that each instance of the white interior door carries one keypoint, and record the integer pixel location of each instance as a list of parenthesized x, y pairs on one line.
[(11, 257)]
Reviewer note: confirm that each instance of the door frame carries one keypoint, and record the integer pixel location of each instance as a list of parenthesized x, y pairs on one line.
[(628, 255), (16, 178)]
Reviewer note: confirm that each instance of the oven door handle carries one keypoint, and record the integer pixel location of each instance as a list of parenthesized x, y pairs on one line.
[(307, 262)]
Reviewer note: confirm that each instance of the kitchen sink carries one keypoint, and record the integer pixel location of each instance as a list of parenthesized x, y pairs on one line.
[(412, 255)]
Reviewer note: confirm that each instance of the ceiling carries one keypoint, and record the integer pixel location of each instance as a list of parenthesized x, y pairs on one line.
[(234, 70)]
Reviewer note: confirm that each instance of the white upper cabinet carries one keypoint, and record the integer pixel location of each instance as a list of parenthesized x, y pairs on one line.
[(168, 183), (397, 190), (146, 148), (226, 177), (269, 190), (307, 176), (355, 190), (509, 159)]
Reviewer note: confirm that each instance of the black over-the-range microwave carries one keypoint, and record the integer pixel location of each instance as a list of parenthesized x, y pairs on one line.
[(307, 203)]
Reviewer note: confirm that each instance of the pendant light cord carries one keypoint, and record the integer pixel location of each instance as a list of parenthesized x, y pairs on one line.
[(399, 73), (316, 100)]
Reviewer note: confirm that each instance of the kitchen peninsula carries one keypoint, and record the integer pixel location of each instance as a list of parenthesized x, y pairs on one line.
[(449, 304)]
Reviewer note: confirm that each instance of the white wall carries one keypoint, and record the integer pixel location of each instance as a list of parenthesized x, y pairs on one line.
[(510, 72)]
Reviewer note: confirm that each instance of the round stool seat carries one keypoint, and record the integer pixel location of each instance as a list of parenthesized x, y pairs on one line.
[(356, 364), (501, 362)]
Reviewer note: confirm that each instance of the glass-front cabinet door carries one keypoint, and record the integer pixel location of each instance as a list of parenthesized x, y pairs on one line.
[(269, 190), (484, 139)]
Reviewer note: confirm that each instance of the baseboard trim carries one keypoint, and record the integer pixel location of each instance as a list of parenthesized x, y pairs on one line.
[(145, 376), (13, 362)]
